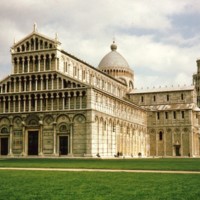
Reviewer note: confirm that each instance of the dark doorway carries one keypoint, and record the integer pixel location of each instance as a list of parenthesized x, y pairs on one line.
[(33, 143), (63, 145), (177, 150), (4, 146)]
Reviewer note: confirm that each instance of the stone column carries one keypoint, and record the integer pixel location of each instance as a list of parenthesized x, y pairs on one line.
[(20, 84), (24, 99), (41, 139), (38, 64), (56, 63), (49, 62), (54, 139), (24, 140), (80, 100), (9, 104), (29, 103), (156, 144), (41, 83), (13, 66), (6, 87), (41, 102), (30, 84), (62, 85), (25, 89), (52, 82), (17, 66), (35, 102), (47, 82), (75, 100), (71, 139), (36, 84), (19, 104), (28, 65), (57, 101), (57, 83), (4, 104), (14, 104), (172, 144), (63, 97), (11, 141), (164, 143), (181, 144), (47, 98), (69, 107), (44, 63), (52, 97), (22, 65), (14, 84)]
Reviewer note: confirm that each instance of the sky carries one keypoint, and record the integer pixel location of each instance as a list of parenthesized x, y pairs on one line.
[(159, 38)]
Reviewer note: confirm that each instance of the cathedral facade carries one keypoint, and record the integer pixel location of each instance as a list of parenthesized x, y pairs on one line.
[(54, 104)]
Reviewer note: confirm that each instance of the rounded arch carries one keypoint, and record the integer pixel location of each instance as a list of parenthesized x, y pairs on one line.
[(79, 118), (63, 118), (131, 85), (32, 119), (64, 128), (5, 130)]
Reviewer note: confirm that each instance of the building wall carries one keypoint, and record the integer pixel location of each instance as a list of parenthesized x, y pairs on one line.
[(172, 121)]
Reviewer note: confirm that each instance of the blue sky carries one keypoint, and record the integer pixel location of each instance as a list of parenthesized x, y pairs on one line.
[(159, 39)]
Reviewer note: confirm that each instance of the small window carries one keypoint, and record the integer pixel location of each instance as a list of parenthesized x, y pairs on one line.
[(142, 99), (182, 96), (160, 136), (158, 115), (174, 113), (66, 65), (167, 97), (183, 114), (166, 115), (154, 98)]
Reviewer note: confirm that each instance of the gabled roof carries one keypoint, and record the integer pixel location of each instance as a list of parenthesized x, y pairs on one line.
[(33, 34), (162, 89)]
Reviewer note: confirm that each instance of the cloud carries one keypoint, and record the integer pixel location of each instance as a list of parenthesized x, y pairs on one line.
[(150, 34)]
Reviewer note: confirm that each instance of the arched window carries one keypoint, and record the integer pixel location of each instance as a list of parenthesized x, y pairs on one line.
[(4, 130)]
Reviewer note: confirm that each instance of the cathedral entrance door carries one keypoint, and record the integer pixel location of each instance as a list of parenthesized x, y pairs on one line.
[(63, 145), (4, 146), (177, 150), (33, 143)]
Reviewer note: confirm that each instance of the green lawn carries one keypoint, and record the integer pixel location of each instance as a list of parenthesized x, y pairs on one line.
[(55, 185), (41, 185), (191, 164)]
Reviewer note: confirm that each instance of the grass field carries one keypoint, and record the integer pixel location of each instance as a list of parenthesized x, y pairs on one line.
[(190, 164), (37, 185), (55, 185)]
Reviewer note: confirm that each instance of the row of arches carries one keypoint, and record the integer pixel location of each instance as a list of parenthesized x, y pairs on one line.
[(114, 106), (91, 76), (114, 138), (43, 102), (34, 44), (71, 129), (34, 63), (38, 82)]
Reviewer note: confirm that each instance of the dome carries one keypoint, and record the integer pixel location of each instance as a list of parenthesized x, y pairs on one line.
[(113, 59)]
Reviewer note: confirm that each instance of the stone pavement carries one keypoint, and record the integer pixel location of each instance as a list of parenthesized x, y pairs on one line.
[(99, 170)]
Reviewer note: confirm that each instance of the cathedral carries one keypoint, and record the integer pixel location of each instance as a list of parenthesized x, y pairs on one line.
[(54, 104)]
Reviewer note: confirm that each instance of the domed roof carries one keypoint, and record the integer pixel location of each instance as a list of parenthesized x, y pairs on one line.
[(113, 59)]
